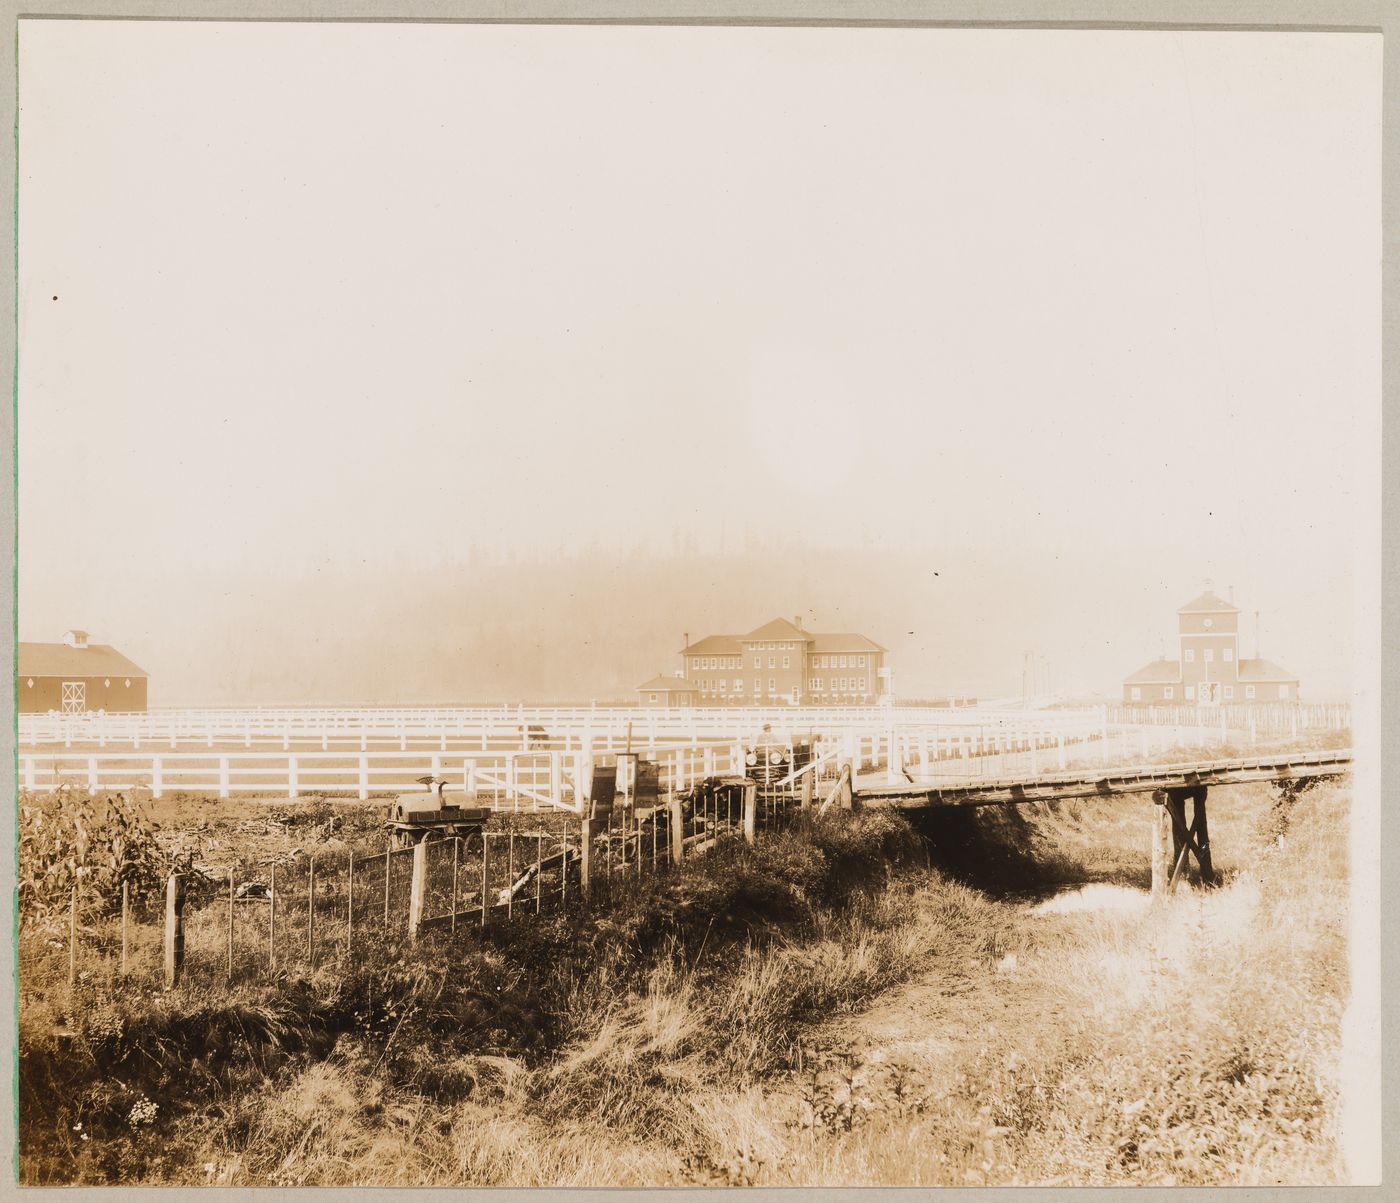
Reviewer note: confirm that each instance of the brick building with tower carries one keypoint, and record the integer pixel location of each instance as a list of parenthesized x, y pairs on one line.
[(75, 676), (779, 662), (1209, 670)]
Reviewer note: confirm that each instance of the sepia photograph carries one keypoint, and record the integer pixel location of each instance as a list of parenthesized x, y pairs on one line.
[(660, 604)]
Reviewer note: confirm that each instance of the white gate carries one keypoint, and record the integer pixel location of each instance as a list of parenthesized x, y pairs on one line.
[(74, 697)]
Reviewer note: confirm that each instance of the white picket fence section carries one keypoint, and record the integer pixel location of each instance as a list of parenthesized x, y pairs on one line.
[(533, 757), (505, 727)]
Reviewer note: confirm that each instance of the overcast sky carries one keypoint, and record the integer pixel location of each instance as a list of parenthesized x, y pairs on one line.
[(309, 314)]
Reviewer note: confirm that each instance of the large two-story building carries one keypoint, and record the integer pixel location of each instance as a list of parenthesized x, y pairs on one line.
[(777, 662), (1209, 669)]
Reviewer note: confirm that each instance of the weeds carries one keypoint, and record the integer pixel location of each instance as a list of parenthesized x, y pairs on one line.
[(737, 1023)]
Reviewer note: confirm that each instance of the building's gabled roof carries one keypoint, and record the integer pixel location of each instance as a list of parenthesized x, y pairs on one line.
[(845, 643), (1264, 670), (1209, 603), (714, 645), (667, 684), (60, 660), (1159, 672), (779, 628)]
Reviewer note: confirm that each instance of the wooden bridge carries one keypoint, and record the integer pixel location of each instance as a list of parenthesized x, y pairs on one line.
[(1171, 786)]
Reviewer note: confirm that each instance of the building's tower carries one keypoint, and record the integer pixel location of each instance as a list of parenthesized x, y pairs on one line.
[(1208, 630)]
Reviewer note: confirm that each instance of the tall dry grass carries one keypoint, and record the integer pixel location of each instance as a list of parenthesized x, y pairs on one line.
[(799, 1013)]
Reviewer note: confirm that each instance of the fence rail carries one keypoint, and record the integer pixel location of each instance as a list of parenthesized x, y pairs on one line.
[(570, 728)]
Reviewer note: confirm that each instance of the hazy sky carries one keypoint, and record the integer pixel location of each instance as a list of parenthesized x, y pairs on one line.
[(307, 312)]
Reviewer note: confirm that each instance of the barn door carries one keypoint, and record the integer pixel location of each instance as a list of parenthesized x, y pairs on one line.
[(74, 697)]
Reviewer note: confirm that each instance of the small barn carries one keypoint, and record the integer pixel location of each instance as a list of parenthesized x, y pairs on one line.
[(667, 692), (75, 677)]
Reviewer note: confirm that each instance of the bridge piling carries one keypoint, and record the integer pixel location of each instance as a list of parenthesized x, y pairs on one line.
[(1174, 842)]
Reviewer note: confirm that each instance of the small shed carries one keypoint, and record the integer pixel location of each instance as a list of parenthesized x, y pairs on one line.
[(75, 676), (667, 692)]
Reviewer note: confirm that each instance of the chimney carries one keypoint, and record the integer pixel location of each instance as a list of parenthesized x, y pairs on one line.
[(1232, 595), (1256, 634), (797, 621), (76, 639), (685, 640)]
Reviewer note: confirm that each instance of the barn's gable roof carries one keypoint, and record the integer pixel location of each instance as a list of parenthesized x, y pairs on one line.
[(1208, 603), (60, 660), (1264, 670), (1159, 672), (715, 645), (666, 684)]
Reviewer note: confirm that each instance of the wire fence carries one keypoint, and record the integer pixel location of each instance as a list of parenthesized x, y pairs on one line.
[(300, 915)]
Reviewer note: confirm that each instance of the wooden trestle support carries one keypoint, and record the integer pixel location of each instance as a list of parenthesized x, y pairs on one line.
[(1173, 842)]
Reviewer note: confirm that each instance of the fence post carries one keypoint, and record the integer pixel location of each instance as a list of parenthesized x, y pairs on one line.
[(126, 910), (174, 929), (230, 923), (223, 776), (29, 773), (364, 777), (92, 774), (72, 940), (418, 889), (585, 856), (157, 777), (272, 920), (291, 776), (846, 786), (556, 777), (456, 856), (750, 810), (350, 912), (675, 828), (311, 912), (485, 873)]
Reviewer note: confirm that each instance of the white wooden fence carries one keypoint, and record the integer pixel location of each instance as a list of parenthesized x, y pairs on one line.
[(505, 728), (520, 778), (522, 758)]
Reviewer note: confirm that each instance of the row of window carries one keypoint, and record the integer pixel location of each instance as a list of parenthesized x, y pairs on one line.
[(816, 661), (716, 661), (1208, 654), (815, 685), (1228, 692)]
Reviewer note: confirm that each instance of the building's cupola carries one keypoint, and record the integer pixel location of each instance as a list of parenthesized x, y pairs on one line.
[(75, 638)]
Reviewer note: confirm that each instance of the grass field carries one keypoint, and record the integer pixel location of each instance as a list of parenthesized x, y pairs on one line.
[(986, 998)]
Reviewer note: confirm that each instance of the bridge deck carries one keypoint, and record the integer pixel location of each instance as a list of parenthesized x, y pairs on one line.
[(1101, 782)]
